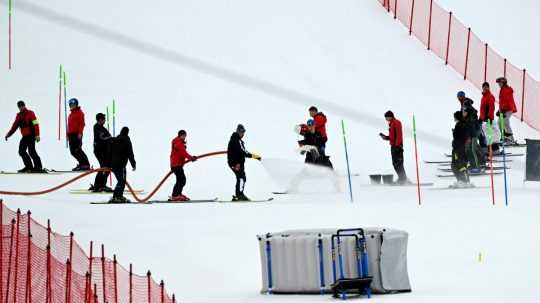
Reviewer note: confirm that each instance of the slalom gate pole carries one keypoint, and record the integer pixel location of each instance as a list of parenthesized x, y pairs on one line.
[(65, 105), (490, 150), (108, 128), (347, 159), (10, 13), (416, 158), (59, 102), (321, 262), (501, 118), (114, 117)]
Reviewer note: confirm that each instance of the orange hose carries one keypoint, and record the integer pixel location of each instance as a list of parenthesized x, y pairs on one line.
[(140, 200)]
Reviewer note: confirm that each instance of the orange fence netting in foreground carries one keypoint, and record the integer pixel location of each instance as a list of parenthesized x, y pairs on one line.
[(39, 265), (459, 47)]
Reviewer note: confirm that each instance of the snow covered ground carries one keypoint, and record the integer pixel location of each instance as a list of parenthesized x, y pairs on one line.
[(206, 66)]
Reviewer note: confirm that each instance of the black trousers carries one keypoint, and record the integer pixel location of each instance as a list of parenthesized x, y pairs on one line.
[(459, 164), (120, 174), (397, 162), (180, 181), (29, 143), (240, 180), (101, 177), (75, 148)]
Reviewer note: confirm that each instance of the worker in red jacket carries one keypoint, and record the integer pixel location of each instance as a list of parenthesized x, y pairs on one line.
[(395, 136), (27, 122), (179, 157), (487, 111), (320, 122), (507, 106), (75, 130)]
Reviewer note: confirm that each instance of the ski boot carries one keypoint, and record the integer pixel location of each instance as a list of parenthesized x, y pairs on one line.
[(108, 189), (25, 170), (242, 197), (120, 199), (179, 198), (39, 170)]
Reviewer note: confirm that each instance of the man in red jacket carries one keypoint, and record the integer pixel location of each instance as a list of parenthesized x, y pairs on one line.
[(395, 136), (27, 122), (487, 110), (75, 130), (507, 106), (179, 157), (320, 122)]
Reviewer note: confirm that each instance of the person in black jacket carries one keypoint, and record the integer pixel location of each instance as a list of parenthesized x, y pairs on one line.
[(102, 146), (473, 150), (121, 151), (460, 135), (236, 157)]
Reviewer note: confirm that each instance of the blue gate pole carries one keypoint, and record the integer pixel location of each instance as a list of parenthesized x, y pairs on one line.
[(347, 159), (504, 158)]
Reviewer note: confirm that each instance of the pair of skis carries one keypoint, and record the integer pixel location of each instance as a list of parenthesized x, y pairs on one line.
[(195, 201)]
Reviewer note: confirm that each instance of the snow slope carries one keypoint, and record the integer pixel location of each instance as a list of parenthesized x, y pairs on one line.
[(206, 66)]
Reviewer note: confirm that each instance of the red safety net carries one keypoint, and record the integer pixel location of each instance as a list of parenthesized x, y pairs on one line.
[(466, 53), (39, 265)]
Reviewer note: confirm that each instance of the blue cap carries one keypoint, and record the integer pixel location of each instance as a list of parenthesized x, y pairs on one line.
[(310, 122), (461, 94), (73, 101)]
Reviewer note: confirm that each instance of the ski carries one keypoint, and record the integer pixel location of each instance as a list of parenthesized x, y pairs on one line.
[(515, 145), (484, 169), (89, 192), (458, 188), (498, 155), (448, 162), (472, 174), (245, 202), (29, 173), (184, 202), (281, 193), (68, 171), (405, 185), (118, 203)]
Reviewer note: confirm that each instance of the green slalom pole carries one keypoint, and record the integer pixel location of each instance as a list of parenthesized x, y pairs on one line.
[(60, 102), (107, 113), (65, 104), (490, 150), (347, 159), (10, 13), (114, 117), (501, 118)]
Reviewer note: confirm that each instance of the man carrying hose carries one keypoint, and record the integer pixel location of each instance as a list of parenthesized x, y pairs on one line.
[(122, 151), (27, 122), (236, 158), (179, 157)]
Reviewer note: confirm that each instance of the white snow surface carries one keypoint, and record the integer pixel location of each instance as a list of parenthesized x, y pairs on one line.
[(207, 65)]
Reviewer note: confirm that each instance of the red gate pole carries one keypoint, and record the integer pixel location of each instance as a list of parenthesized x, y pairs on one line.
[(16, 279), (90, 261), (130, 283), (448, 38), (467, 54), (28, 291), (67, 282), (115, 280), (504, 73), (148, 279), (49, 276), (412, 18), (429, 28), (162, 287), (523, 94), (103, 272), (485, 62), (395, 9), (8, 277)]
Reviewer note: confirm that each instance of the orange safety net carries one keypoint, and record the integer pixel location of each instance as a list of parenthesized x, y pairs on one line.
[(39, 265), (465, 52)]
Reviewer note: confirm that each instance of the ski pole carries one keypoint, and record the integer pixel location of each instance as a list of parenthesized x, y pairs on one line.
[(504, 158), (65, 105), (347, 159), (490, 151), (416, 158)]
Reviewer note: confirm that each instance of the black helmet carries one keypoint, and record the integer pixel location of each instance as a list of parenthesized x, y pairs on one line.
[(100, 116), (389, 114)]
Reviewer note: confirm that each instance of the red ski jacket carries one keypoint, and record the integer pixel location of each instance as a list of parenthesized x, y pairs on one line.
[(27, 122), (320, 124), (487, 107), (506, 100), (179, 154), (395, 135), (76, 121)]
